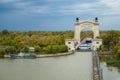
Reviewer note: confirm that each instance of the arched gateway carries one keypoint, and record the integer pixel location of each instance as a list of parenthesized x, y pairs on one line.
[(79, 26), (82, 24)]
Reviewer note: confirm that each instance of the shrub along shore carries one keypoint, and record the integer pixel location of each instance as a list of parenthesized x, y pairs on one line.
[(54, 55), (47, 55), (48, 42)]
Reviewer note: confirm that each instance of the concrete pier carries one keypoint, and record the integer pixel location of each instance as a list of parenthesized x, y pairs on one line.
[(97, 72)]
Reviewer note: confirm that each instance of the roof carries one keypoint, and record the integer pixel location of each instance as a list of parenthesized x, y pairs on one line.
[(97, 40), (31, 48)]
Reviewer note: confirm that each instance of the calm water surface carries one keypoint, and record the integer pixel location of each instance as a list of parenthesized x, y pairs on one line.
[(73, 67), (110, 73)]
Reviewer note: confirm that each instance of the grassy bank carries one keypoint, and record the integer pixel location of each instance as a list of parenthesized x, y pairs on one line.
[(114, 63), (110, 60), (105, 58)]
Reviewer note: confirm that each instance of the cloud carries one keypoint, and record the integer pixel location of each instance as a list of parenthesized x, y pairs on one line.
[(29, 8), (18, 12), (100, 7), (70, 7), (111, 7), (8, 1), (111, 3), (25, 7), (77, 8), (111, 22)]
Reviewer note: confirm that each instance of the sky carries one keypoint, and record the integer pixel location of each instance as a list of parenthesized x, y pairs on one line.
[(57, 15)]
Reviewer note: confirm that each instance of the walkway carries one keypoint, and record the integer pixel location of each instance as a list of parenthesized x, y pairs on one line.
[(97, 73)]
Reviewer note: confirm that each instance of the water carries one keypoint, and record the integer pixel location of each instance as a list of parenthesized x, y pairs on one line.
[(110, 73), (73, 67)]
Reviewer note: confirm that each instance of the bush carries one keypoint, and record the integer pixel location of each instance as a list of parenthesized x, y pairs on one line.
[(118, 53), (26, 49), (63, 48), (2, 52), (37, 49), (56, 48), (11, 50)]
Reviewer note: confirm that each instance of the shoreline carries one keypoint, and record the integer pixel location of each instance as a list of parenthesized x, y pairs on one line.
[(54, 55), (48, 55)]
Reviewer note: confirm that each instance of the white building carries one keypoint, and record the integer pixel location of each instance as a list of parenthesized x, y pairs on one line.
[(31, 49)]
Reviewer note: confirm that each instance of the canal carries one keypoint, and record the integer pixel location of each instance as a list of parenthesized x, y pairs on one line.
[(110, 73), (73, 67)]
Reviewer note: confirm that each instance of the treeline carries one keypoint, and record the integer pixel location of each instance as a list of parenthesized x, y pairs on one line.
[(43, 41), (111, 42), (52, 42)]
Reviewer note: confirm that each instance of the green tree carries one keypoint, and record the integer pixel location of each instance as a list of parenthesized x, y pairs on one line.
[(2, 52), (49, 47), (26, 49), (102, 47), (55, 49), (11, 50), (37, 49), (63, 48), (5, 32), (118, 52), (110, 39)]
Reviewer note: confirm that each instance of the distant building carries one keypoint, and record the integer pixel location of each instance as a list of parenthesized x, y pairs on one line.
[(31, 49)]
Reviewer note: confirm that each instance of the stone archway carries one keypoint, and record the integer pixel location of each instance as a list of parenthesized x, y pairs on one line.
[(86, 33), (82, 24), (93, 25)]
